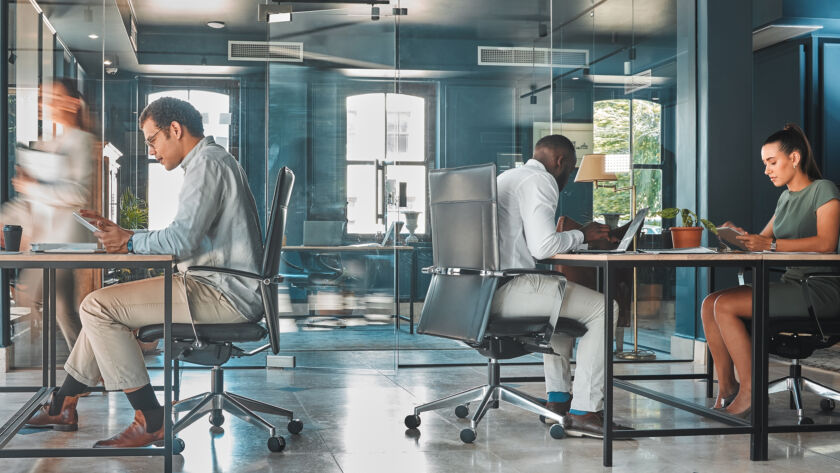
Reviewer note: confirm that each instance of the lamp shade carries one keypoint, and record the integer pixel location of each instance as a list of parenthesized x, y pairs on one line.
[(592, 169)]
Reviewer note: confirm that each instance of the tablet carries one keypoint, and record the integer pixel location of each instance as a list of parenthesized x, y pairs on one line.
[(85, 223), (728, 234)]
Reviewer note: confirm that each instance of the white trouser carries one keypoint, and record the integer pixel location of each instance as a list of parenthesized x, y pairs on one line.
[(539, 294), (106, 346)]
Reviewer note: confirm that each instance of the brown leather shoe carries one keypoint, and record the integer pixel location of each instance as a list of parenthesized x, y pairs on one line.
[(67, 420), (560, 408), (133, 436), (590, 424)]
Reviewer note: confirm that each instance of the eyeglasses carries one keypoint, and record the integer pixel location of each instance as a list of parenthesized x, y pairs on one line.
[(150, 140)]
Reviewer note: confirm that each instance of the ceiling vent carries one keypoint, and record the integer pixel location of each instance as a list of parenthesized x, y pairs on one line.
[(266, 51), (772, 34), (532, 57)]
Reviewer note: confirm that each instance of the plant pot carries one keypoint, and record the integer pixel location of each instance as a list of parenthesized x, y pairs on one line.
[(686, 237)]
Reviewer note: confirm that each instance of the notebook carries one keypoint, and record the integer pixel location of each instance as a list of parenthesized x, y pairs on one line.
[(88, 248)]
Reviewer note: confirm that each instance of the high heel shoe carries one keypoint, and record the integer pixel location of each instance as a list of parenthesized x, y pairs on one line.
[(728, 399)]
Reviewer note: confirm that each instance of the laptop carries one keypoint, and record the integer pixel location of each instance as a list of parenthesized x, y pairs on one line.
[(624, 246)]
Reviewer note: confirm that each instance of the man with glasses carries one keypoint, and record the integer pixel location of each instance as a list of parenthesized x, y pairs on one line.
[(216, 225)]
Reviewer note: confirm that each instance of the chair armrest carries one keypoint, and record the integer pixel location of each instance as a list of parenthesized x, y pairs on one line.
[(521, 271), (232, 272)]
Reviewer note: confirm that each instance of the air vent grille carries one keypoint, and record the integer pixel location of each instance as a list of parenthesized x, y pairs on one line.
[(266, 51), (534, 57)]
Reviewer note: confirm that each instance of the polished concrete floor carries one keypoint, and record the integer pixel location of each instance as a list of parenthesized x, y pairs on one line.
[(354, 423)]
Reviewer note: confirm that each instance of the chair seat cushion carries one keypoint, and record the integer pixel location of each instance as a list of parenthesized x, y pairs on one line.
[(529, 325), (244, 332)]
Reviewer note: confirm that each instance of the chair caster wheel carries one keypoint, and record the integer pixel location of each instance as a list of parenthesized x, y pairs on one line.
[(827, 405), (276, 444), (178, 445), (557, 431), (805, 421), (217, 419), (462, 411), (467, 435), (295, 426), (412, 421)]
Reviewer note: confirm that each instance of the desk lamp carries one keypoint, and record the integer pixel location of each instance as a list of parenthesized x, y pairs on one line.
[(598, 168)]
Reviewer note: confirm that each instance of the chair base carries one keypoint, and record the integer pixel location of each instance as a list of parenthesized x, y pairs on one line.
[(488, 397), (218, 400), (796, 384)]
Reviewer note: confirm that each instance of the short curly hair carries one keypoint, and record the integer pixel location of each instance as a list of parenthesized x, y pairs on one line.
[(166, 110)]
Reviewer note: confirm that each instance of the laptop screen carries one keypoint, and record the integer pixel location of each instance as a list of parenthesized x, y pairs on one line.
[(632, 229)]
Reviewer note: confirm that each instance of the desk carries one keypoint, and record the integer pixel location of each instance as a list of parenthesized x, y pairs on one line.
[(49, 263), (377, 250), (759, 263)]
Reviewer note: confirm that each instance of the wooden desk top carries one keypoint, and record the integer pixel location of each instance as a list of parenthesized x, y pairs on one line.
[(348, 248), (735, 256), (85, 257), (656, 257)]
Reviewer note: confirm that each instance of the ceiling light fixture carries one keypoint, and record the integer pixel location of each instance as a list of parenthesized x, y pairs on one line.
[(107, 62), (93, 36), (216, 24), (274, 13)]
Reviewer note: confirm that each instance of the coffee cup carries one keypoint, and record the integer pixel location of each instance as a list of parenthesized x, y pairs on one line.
[(11, 237)]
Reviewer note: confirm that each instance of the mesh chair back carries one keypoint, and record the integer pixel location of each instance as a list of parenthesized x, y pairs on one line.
[(464, 228), (272, 250)]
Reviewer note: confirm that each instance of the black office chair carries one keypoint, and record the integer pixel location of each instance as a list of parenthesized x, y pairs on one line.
[(796, 338), (465, 275), (213, 344)]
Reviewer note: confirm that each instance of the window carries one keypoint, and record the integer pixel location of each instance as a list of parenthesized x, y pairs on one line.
[(384, 131), (612, 123)]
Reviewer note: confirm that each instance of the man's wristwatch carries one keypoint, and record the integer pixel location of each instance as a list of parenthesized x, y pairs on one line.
[(130, 245), (772, 245)]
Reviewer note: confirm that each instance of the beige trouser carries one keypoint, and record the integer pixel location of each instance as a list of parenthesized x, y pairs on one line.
[(539, 294), (29, 293), (106, 347)]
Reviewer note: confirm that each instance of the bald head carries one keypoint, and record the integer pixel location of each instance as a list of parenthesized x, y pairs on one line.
[(557, 154)]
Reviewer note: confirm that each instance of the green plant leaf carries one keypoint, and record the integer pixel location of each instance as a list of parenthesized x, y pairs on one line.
[(709, 225)]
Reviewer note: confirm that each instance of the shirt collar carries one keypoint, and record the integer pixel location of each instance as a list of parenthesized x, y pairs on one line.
[(206, 141), (536, 164)]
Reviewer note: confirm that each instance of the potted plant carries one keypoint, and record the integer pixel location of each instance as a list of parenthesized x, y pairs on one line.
[(689, 233), (133, 215)]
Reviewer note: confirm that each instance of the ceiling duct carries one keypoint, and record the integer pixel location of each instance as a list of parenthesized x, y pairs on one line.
[(265, 51), (533, 57), (773, 34)]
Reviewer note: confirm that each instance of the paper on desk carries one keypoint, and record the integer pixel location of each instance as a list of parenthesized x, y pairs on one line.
[(693, 250)]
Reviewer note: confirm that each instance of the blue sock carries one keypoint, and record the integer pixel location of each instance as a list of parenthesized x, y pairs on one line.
[(577, 412), (558, 396)]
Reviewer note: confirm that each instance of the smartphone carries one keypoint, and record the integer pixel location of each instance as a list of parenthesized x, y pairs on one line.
[(85, 223)]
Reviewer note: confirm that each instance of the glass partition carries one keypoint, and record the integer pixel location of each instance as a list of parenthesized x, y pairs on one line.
[(361, 100)]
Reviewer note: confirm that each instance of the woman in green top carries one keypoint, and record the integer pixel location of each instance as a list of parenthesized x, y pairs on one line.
[(807, 218)]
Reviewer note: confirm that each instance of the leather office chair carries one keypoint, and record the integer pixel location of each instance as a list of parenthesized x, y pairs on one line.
[(796, 338), (213, 344), (465, 275)]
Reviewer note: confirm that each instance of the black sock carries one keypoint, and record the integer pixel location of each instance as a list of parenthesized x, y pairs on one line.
[(70, 387), (144, 400)]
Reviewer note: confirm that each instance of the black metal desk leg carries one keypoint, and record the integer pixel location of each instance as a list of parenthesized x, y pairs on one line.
[(53, 323), (167, 369), (397, 288), (45, 327), (710, 362), (760, 358), (609, 289), (412, 293)]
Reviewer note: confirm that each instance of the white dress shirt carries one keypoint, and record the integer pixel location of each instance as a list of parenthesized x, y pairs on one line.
[(527, 202), (216, 225)]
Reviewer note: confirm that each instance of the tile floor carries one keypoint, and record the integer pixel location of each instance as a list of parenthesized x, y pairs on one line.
[(354, 423)]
